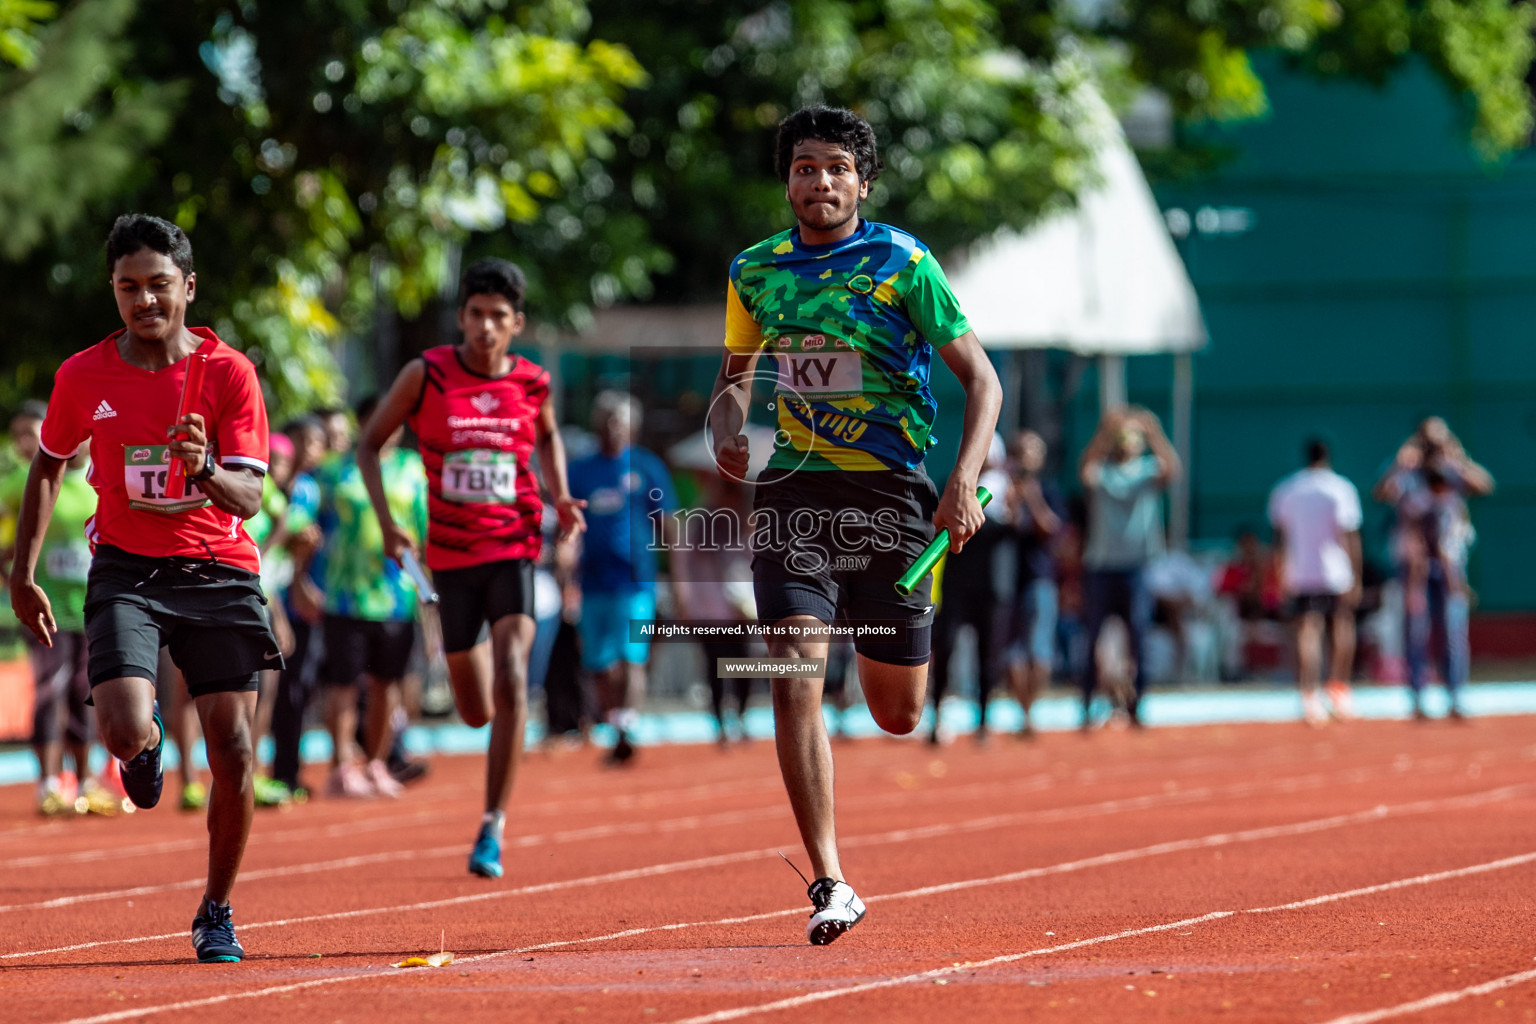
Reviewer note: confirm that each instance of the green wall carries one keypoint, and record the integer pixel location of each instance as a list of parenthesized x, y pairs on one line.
[(1387, 275)]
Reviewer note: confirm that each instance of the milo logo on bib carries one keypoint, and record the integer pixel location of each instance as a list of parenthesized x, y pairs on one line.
[(146, 467), (480, 477), (820, 372)]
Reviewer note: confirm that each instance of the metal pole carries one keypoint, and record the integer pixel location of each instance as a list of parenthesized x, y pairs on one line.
[(1111, 382), (549, 356), (1183, 421)]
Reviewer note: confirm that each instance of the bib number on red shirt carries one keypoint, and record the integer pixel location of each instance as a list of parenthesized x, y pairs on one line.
[(145, 471), (480, 477)]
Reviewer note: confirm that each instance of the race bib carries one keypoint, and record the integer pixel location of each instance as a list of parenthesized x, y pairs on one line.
[(820, 376), (145, 471), (480, 477), (69, 563)]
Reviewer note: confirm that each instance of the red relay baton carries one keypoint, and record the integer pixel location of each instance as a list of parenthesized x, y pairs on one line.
[(191, 391)]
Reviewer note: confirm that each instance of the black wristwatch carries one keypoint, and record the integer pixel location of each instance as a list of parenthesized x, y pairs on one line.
[(207, 471)]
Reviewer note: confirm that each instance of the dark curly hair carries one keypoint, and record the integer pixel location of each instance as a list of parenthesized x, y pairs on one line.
[(134, 231), (494, 277), (828, 124)]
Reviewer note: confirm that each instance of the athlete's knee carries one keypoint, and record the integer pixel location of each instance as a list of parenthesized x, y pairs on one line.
[(899, 719), (510, 689), (125, 739), (230, 754)]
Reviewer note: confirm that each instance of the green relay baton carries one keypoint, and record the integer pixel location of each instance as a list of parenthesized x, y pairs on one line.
[(932, 553)]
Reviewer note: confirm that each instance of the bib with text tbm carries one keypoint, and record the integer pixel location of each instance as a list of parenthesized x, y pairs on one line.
[(480, 477), (145, 471)]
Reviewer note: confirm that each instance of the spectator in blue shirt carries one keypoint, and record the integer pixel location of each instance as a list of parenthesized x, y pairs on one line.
[(1125, 469), (629, 498)]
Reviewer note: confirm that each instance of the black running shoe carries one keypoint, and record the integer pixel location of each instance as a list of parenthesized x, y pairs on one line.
[(838, 908), (213, 935), (142, 776), (623, 751), (407, 770)]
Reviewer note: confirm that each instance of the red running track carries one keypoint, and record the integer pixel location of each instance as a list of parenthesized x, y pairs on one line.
[(1375, 871)]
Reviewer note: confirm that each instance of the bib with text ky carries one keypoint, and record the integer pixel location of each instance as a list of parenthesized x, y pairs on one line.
[(817, 371)]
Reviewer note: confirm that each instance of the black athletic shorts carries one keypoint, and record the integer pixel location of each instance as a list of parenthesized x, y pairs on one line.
[(474, 596), (1324, 604), (355, 646), (212, 616), (832, 544)]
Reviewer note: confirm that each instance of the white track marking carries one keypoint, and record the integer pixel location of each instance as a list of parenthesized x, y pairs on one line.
[(1440, 999), (897, 836), (736, 1013), (1007, 958), (1104, 807)]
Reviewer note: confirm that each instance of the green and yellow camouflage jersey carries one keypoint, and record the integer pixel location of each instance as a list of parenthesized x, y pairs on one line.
[(850, 328)]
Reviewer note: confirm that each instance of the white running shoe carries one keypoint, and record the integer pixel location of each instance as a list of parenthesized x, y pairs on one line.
[(350, 782), (838, 908), (384, 784), (1312, 710)]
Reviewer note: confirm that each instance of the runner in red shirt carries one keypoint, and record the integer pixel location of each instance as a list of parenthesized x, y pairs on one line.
[(176, 572), (479, 413)]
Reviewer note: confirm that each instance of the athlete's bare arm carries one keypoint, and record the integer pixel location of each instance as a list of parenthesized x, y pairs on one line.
[(1168, 464), (232, 489), (28, 601), (728, 412), (552, 467), (959, 512), (391, 412)]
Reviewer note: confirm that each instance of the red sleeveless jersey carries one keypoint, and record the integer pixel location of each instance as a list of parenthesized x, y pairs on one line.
[(476, 436)]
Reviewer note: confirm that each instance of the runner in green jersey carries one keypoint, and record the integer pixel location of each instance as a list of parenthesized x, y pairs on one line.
[(848, 314)]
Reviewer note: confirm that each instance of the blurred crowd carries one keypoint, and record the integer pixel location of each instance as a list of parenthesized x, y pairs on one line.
[(1081, 588)]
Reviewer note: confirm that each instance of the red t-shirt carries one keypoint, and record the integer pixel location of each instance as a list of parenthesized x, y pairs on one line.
[(476, 436), (124, 411)]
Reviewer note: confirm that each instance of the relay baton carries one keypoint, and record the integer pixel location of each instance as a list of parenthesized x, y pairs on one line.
[(191, 391), (413, 569), (932, 553)]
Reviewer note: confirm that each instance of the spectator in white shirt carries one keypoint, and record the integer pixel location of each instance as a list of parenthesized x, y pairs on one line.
[(1316, 517)]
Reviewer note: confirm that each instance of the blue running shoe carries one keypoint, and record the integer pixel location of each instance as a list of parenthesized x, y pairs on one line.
[(143, 775), (485, 858), (213, 935)]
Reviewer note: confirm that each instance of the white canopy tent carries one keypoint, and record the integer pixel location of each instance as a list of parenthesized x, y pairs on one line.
[(1102, 280)]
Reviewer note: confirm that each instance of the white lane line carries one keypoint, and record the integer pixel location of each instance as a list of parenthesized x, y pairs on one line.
[(1363, 1018), (1104, 807), (1424, 879), (265, 838), (363, 860), (897, 836), (1440, 999)]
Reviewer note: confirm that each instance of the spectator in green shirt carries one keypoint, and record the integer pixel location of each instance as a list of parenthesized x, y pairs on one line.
[(60, 716), (370, 607)]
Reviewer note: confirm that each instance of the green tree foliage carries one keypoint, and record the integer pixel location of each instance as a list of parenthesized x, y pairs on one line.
[(325, 157), (1197, 53), (336, 161)]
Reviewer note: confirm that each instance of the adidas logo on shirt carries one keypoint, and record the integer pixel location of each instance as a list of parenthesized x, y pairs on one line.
[(104, 411)]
